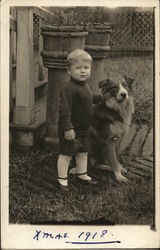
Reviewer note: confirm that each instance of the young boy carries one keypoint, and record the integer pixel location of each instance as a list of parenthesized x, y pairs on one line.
[(74, 118)]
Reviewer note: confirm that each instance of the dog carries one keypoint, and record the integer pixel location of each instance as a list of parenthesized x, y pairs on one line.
[(111, 119)]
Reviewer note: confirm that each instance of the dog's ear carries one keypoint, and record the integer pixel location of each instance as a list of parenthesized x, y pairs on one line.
[(102, 83), (129, 81)]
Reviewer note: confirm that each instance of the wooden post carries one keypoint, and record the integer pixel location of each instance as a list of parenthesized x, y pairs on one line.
[(41, 67), (10, 80), (24, 113), (58, 41), (13, 30)]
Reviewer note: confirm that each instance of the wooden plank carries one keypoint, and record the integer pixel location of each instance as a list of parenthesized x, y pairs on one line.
[(10, 77), (13, 12), (13, 24), (131, 49), (138, 165), (39, 84), (148, 146), (140, 173), (15, 48), (24, 93), (14, 65), (40, 110), (138, 141), (43, 13), (145, 162), (41, 67), (24, 111), (24, 138), (128, 138)]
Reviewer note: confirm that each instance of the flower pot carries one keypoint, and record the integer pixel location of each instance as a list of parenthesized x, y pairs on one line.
[(59, 41), (97, 45), (99, 34)]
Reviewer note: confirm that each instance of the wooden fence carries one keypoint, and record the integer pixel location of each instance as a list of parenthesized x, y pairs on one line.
[(27, 30), (28, 77), (133, 33), (133, 30), (13, 59)]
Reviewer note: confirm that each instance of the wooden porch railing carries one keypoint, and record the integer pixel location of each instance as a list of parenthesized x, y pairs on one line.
[(27, 73)]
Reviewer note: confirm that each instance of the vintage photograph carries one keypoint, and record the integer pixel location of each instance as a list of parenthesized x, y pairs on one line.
[(82, 115)]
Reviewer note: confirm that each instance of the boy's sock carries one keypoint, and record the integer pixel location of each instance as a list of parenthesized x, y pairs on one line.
[(62, 169), (81, 166)]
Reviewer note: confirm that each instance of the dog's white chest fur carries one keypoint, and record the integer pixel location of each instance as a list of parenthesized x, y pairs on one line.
[(118, 128)]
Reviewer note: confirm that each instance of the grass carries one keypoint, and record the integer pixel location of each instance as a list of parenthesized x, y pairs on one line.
[(35, 196)]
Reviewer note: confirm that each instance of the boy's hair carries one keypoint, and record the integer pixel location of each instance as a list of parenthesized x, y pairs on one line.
[(77, 54)]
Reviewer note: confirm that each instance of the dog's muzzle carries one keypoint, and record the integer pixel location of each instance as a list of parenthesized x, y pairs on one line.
[(124, 95)]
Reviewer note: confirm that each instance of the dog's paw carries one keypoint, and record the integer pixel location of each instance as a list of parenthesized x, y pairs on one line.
[(119, 177), (123, 170)]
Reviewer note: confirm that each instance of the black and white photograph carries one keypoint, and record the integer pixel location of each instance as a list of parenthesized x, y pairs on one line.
[(81, 128)]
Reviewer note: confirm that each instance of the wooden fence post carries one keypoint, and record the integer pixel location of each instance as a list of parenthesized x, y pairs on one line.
[(10, 73), (41, 67), (24, 112)]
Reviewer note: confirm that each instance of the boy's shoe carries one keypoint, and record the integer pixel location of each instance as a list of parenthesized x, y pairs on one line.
[(63, 186), (88, 180)]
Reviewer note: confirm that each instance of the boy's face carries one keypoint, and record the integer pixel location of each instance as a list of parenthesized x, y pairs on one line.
[(80, 70)]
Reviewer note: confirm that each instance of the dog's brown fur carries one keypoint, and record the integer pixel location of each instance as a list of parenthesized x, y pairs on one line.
[(110, 121)]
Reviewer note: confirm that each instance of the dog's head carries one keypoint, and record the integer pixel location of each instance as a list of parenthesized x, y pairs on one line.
[(116, 87)]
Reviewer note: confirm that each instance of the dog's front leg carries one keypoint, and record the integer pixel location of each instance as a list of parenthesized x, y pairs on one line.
[(110, 151)]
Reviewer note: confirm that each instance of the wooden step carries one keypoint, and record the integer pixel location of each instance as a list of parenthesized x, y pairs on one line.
[(40, 89), (31, 134)]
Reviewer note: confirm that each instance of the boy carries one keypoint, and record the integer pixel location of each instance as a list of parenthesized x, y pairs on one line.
[(74, 119)]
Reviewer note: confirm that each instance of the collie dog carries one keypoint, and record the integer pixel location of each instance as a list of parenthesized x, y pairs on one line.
[(111, 119)]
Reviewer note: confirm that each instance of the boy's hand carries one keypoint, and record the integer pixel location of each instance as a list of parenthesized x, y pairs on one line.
[(69, 134)]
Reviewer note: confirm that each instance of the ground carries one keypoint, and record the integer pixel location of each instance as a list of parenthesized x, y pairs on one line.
[(36, 198)]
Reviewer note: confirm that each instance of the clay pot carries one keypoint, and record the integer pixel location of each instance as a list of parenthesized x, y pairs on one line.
[(99, 34)]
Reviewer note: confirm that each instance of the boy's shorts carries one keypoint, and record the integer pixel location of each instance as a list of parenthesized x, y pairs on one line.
[(72, 147)]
